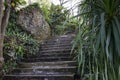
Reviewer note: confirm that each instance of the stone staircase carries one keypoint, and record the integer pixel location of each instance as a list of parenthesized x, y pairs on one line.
[(54, 62)]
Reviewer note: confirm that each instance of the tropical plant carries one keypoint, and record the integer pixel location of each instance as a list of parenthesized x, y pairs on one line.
[(98, 39)]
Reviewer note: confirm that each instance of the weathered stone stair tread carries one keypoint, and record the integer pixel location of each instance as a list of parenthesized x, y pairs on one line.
[(58, 63), (48, 63), (56, 50), (60, 45), (57, 53), (40, 75), (57, 42), (60, 54), (47, 59), (56, 69), (47, 67), (39, 78), (60, 38), (67, 47)]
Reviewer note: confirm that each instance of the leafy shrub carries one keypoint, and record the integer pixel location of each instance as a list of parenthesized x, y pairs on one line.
[(18, 44), (57, 16)]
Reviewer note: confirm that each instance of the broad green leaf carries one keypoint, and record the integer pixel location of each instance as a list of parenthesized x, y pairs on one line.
[(108, 42), (116, 38), (117, 24), (102, 31)]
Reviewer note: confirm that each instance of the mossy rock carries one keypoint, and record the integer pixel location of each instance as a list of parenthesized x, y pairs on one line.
[(32, 21)]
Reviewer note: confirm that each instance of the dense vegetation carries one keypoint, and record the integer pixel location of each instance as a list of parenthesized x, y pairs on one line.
[(18, 44), (98, 40), (59, 20)]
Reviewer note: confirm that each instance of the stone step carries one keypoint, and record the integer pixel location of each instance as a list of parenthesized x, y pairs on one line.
[(41, 73), (57, 42), (52, 54), (43, 59), (65, 76), (57, 45), (38, 69), (58, 54), (60, 38), (56, 48), (59, 50), (50, 64)]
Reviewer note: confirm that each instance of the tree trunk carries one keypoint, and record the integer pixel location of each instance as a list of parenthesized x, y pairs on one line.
[(4, 17), (1, 54), (1, 38)]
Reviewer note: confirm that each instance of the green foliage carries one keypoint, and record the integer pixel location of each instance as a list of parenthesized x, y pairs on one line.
[(57, 16), (67, 27), (8, 66), (46, 12), (18, 44), (16, 3), (98, 40), (31, 7)]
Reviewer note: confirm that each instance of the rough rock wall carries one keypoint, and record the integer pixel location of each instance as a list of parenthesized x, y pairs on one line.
[(31, 20)]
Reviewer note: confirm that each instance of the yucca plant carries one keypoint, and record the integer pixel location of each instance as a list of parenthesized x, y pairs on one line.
[(98, 39)]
